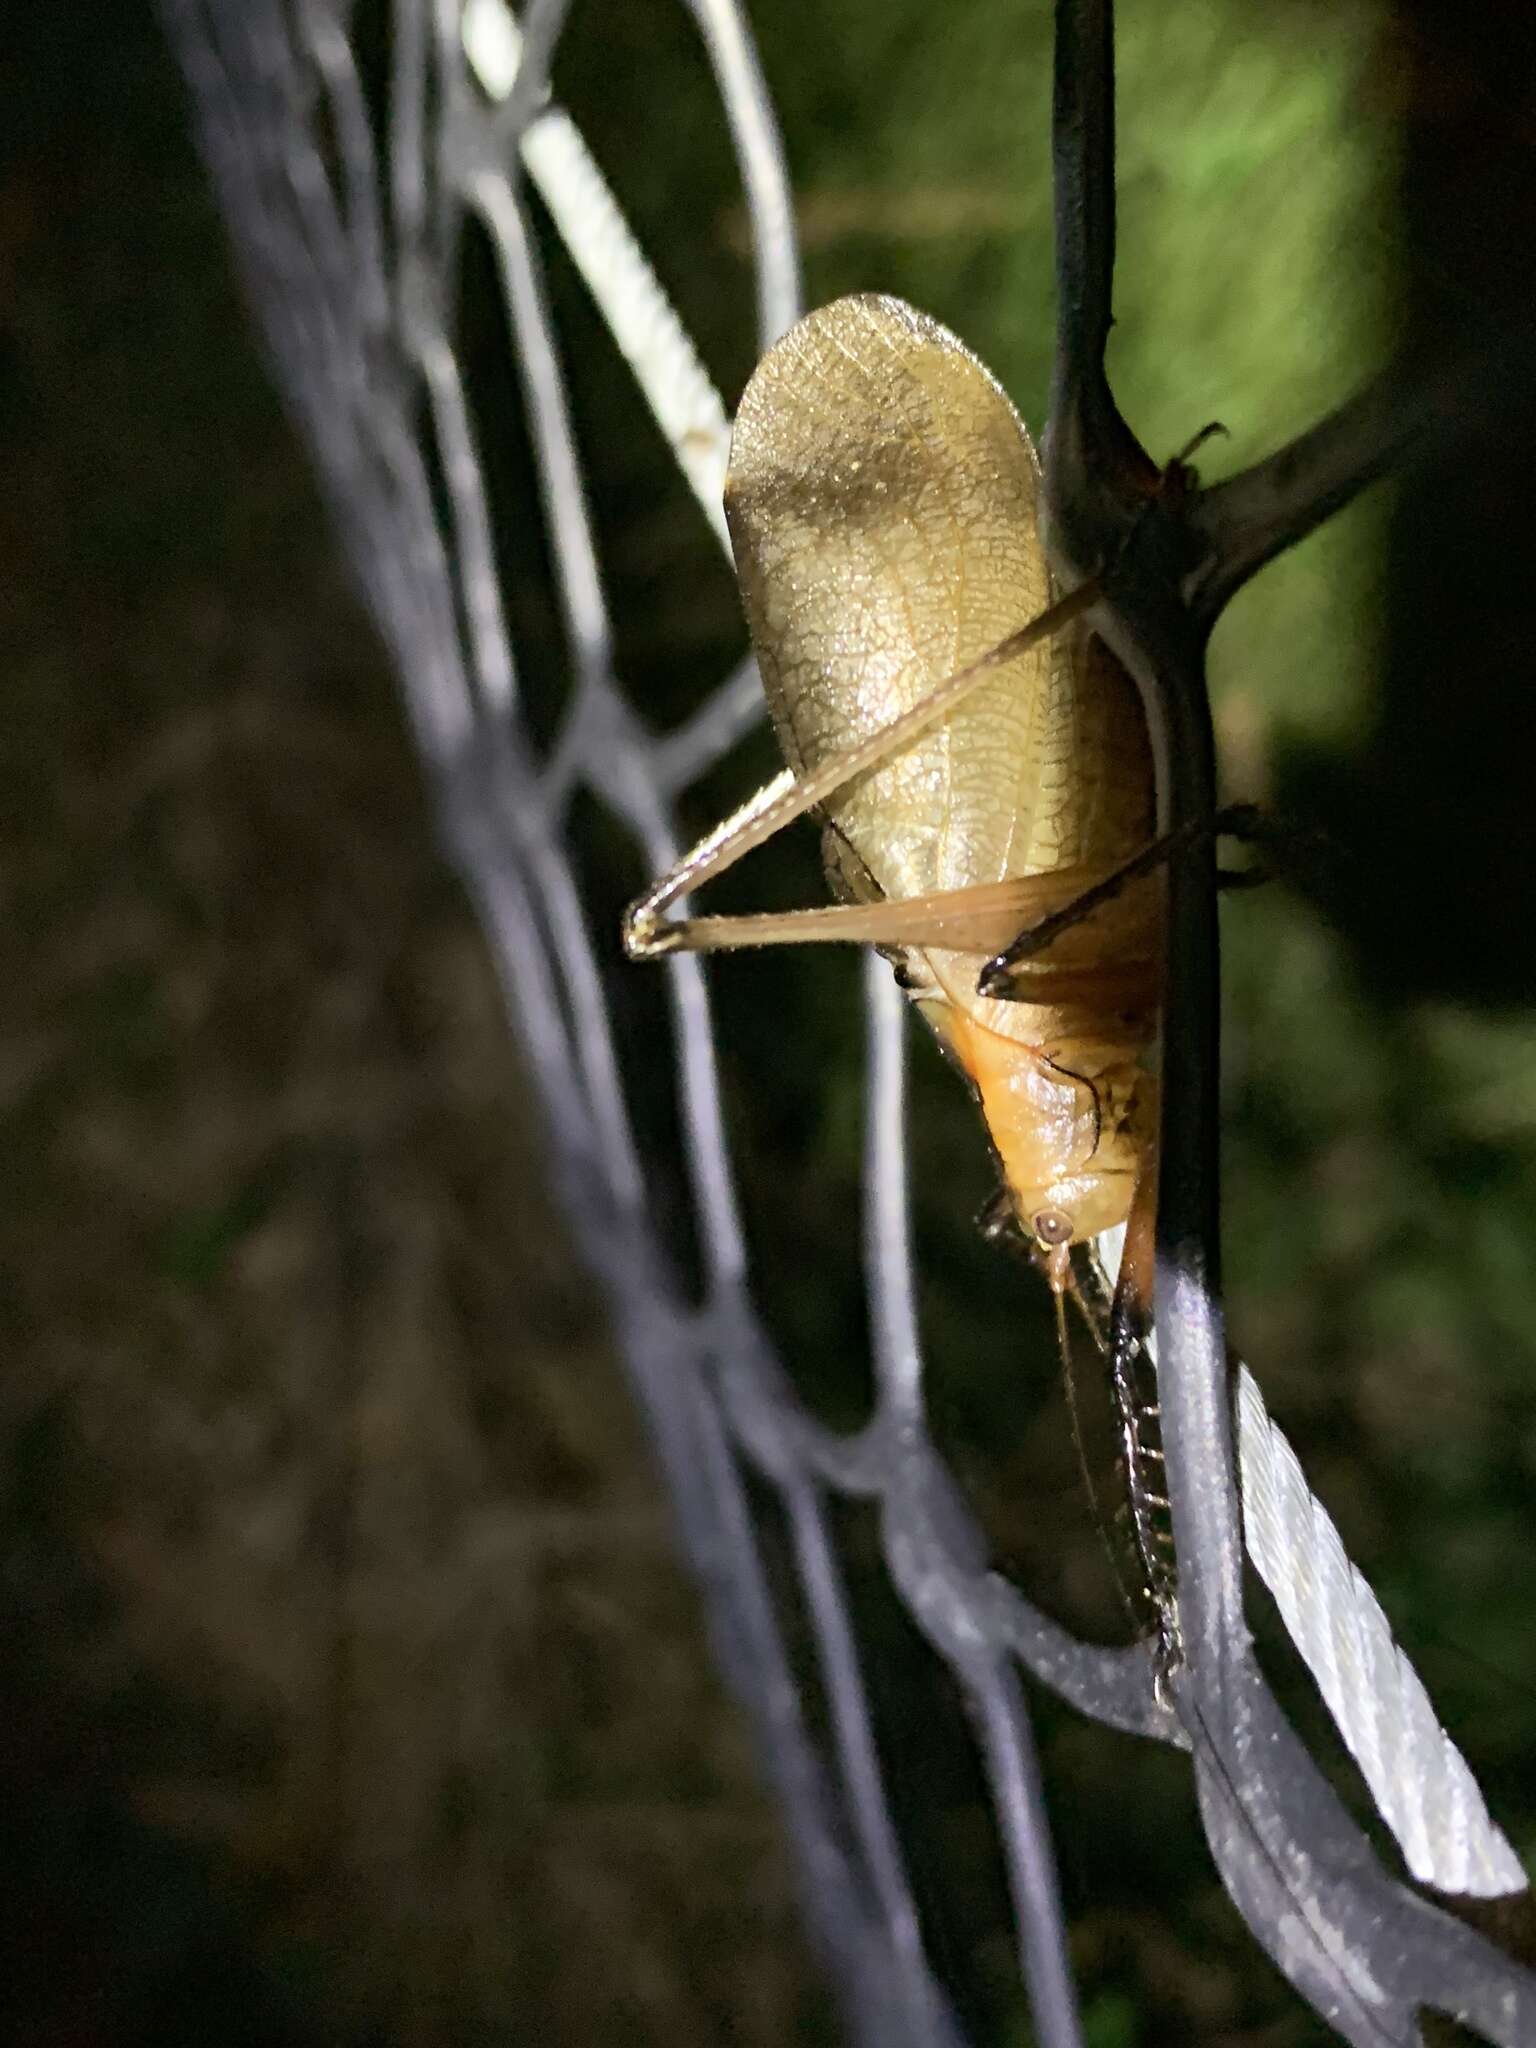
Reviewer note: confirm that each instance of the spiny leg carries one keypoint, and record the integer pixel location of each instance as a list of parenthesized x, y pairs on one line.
[(1061, 1276), (1240, 821), (1085, 1281), (1118, 1319), (1130, 1371)]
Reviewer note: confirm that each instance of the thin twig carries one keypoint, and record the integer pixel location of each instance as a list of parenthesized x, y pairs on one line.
[(1248, 519), (1083, 412), (1423, 401)]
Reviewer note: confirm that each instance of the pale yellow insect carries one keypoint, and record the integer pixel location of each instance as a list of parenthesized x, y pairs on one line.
[(977, 758)]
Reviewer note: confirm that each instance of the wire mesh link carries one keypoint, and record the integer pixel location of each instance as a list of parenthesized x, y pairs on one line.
[(348, 263), (1418, 1777), (361, 347), (1421, 1783)]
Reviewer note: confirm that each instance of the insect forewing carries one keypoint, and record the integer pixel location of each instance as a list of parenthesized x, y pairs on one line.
[(882, 500)]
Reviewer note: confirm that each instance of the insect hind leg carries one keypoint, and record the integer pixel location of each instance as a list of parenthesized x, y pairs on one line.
[(1119, 1320), (1236, 821), (1133, 1387)]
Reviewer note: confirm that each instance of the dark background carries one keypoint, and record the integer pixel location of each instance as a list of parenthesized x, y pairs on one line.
[(348, 1689)]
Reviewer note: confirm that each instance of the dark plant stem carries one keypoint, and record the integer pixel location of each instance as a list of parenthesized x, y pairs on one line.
[(1168, 558), (1250, 518), (1083, 412)]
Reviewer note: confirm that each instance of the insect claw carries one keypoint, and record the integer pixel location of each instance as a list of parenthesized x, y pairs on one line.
[(646, 936)]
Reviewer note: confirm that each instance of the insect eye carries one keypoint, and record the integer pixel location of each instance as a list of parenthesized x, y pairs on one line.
[(1052, 1227)]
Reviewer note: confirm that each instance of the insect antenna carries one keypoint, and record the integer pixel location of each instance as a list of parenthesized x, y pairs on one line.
[(999, 1225), (1064, 1281), (1117, 1322)]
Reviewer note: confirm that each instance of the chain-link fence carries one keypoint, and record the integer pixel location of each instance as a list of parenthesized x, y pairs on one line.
[(358, 152)]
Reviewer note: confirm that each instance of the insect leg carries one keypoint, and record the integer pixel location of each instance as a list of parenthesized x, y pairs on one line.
[(970, 920), (778, 803), (1063, 1280), (1243, 821), (1300, 853), (1130, 1372)]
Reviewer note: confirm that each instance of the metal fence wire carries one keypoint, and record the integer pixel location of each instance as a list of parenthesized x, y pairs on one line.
[(346, 204)]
